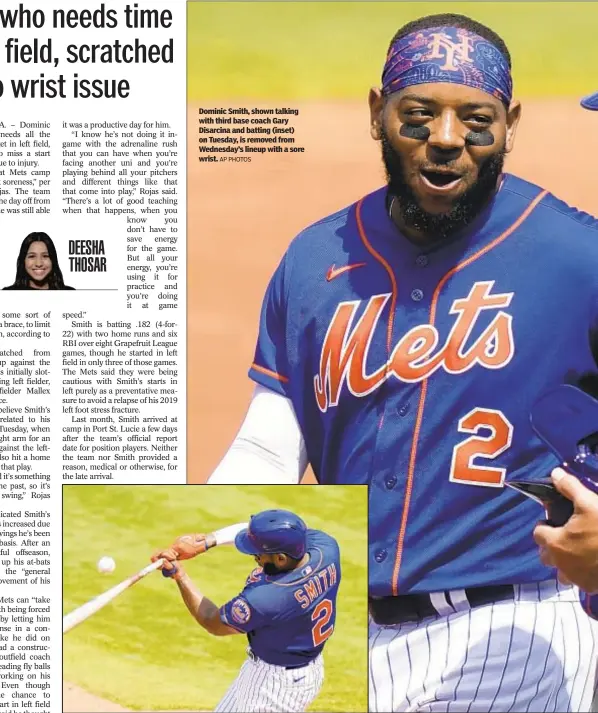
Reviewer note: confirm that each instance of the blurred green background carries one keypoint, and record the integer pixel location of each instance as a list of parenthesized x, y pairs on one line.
[(144, 650), (335, 50)]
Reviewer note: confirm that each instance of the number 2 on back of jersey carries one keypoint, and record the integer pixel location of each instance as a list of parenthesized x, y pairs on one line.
[(463, 467), (321, 615)]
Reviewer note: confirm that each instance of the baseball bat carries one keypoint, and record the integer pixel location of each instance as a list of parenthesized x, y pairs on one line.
[(224, 536), (94, 605)]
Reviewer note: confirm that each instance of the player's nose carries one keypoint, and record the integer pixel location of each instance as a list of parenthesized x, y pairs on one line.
[(446, 133)]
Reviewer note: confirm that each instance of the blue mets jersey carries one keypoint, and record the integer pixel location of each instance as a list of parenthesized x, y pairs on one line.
[(589, 603), (413, 368), (288, 617)]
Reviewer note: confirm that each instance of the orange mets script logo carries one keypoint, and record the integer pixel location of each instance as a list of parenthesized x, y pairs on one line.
[(346, 346), (442, 46)]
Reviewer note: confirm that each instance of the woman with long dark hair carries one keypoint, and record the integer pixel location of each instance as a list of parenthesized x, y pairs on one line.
[(37, 265)]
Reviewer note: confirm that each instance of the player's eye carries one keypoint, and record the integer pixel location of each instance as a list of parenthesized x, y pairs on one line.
[(419, 113), (479, 119)]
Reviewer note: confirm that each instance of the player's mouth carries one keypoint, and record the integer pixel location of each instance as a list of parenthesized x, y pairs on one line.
[(440, 182), (40, 272)]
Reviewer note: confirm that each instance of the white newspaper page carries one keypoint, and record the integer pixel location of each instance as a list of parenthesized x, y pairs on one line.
[(92, 313)]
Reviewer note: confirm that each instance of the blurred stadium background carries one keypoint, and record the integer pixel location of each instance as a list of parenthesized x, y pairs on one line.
[(334, 50)]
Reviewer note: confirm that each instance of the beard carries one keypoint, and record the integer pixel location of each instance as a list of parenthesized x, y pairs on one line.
[(271, 569), (463, 211)]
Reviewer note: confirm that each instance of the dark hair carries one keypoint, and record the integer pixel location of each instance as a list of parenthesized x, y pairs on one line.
[(453, 20), (55, 279)]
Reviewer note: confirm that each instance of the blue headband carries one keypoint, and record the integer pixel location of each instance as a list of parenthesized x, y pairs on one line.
[(447, 54)]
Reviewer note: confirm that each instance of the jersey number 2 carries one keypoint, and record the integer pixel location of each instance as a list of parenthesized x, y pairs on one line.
[(463, 468), (321, 615)]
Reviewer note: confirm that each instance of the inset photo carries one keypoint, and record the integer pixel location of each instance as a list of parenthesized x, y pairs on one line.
[(214, 598), (48, 255), (37, 266)]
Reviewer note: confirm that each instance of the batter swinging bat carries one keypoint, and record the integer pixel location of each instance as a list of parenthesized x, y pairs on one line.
[(94, 605), (224, 536)]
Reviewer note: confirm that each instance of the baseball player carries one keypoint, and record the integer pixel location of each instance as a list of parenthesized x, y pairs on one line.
[(402, 343), (287, 609)]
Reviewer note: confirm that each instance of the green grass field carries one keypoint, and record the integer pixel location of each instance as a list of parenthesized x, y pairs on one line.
[(144, 650), (332, 50)]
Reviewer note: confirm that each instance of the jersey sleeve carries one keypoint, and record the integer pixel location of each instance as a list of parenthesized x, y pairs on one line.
[(270, 366), (589, 602), (594, 329), (242, 614)]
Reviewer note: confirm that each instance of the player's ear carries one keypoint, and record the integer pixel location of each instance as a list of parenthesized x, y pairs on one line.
[(376, 102), (513, 116)]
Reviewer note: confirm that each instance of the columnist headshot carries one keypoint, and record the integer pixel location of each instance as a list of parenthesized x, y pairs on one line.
[(37, 265)]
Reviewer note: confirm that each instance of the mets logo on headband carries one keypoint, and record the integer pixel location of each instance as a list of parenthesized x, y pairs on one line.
[(442, 46), (447, 54), (240, 611)]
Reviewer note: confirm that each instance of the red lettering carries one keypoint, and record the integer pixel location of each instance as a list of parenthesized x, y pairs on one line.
[(332, 570), (464, 469), (342, 351), (416, 345), (310, 590), (345, 349), (301, 598), (469, 309)]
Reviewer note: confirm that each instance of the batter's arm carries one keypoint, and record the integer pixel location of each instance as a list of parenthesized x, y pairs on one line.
[(202, 609), (269, 448)]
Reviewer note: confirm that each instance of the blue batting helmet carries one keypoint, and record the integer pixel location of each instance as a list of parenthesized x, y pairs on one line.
[(273, 532), (590, 102)]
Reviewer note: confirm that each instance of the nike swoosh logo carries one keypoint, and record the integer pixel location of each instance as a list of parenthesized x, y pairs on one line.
[(298, 679), (335, 271)]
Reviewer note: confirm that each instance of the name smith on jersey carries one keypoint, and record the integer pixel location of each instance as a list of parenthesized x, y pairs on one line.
[(316, 585)]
